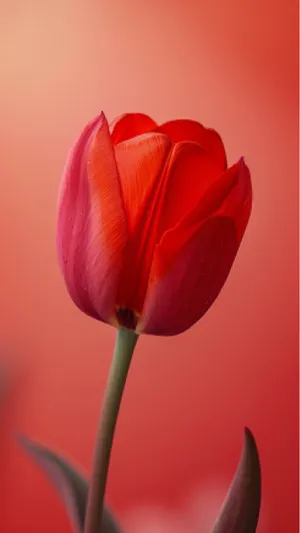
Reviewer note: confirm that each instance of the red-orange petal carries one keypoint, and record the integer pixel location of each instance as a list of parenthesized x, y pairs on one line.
[(190, 130), (130, 125), (141, 163), (191, 172)]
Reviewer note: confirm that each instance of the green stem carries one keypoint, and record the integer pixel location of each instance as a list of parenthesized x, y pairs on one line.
[(124, 348)]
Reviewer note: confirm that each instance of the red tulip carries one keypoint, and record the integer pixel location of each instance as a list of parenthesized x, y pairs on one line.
[(149, 222)]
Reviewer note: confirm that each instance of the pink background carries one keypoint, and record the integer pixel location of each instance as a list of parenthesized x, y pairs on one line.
[(233, 66)]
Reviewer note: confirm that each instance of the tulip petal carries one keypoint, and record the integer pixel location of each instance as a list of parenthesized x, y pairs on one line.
[(240, 511), (141, 163), (190, 130), (130, 125), (177, 300), (73, 221), (109, 230), (91, 223), (192, 261), (238, 203), (190, 172), (70, 484), (230, 195)]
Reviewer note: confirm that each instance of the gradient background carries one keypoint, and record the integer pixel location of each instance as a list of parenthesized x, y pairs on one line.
[(233, 66)]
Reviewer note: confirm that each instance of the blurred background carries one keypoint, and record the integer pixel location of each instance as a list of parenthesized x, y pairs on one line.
[(233, 66)]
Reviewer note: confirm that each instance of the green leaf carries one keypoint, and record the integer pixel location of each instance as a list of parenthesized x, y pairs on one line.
[(70, 484), (241, 507)]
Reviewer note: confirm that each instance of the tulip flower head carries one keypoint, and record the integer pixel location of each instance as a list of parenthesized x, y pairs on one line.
[(150, 219)]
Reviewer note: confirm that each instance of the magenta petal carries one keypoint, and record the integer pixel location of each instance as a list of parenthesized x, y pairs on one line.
[(73, 220), (89, 266), (179, 299)]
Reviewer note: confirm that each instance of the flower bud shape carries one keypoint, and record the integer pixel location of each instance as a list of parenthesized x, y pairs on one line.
[(150, 219)]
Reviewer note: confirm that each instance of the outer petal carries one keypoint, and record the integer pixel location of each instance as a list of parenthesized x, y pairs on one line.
[(179, 300), (192, 261), (130, 125), (73, 221), (238, 203), (91, 223), (190, 130)]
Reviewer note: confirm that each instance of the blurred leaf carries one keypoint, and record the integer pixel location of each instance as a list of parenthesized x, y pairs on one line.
[(69, 483), (240, 510)]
